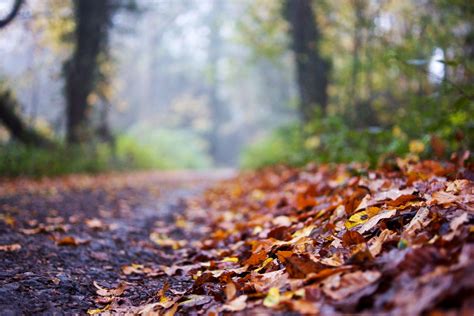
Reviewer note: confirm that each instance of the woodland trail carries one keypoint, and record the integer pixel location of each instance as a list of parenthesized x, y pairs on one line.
[(73, 235)]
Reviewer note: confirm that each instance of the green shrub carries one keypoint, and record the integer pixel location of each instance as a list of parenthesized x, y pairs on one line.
[(163, 148), (18, 160), (140, 149), (332, 140)]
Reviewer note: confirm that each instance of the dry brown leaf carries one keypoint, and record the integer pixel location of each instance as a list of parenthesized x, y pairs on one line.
[(256, 258), (341, 285), (70, 241), (299, 266), (419, 221), (455, 225), (376, 243), (164, 241), (236, 305), (110, 292), (374, 220), (444, 198), (263, 282), (230, 291), (195, 300)]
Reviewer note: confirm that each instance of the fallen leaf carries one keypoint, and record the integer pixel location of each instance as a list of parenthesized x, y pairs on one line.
[(98, 310), (230, 291), (164, 241), (340, 285), (376, 243), (374, 220), (236, 305), (361, 217), (256, 258), (352, 238), (70, 241), (444, 198), (419, 221), (110, 292), (171, 311), (230, 259), (95, 223), (455, 225), (10, 248), (195, 300), (273, 297), (300, 265)]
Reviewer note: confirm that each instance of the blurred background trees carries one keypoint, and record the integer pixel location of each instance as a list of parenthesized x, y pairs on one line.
[(189, 83)]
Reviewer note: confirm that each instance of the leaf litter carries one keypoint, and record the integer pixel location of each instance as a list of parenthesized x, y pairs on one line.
[(331, 239), (326, 239)]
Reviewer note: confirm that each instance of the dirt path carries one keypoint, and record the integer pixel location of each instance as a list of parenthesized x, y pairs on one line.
[(73, 231)]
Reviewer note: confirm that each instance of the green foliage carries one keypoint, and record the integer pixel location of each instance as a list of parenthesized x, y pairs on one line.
[(146, 148), (157, 150), (332, 139), (20, 160), (284, 145)]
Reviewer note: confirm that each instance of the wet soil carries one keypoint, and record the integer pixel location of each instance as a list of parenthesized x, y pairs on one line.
[(110, 219)]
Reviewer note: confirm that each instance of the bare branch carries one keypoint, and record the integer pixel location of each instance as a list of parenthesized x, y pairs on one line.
[(15, 9)]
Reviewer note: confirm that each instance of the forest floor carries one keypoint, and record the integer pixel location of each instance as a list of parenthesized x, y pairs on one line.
[(326, 239), (62, 238)]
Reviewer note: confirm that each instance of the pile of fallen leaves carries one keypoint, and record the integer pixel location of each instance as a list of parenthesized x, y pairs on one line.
[(332, 239)]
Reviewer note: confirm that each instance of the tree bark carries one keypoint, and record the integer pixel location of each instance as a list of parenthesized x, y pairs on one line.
[(312, 70), (82, 70), (15, 124)]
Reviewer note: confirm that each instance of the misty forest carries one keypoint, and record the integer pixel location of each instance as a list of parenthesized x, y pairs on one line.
[(162, 157)]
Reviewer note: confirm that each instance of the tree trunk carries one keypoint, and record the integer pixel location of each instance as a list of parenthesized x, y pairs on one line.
[(82, 70), (312, 70), (16, 126)]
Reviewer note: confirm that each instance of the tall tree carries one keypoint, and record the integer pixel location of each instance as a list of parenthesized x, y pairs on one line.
[(312, 70), (92, 19)]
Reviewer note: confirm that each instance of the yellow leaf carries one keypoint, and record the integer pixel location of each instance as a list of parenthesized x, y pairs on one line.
[(264, 264), (98, 310), (361, 217), (164, 241), (231, 259), (273, 297), (416, 146)]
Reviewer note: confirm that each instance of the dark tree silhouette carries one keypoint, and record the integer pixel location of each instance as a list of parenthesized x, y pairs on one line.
[(93, 19), (312, 69), (15, 124)]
